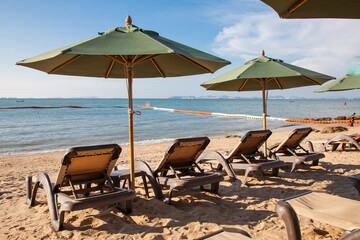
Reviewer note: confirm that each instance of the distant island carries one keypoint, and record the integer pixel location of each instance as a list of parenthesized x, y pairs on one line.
[(270, 97)]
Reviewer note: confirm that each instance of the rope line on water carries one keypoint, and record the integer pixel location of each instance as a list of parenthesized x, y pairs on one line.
[(247, 116)]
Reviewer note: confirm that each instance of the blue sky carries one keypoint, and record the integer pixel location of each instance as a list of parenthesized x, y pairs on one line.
[(235, 30)]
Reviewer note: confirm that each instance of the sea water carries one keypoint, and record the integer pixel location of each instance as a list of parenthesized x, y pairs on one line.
[(102, 121)]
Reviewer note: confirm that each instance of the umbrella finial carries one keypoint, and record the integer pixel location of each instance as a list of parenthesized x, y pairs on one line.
[(262, 52), (128, 20)]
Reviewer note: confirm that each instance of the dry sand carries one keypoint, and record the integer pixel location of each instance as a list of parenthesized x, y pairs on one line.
[(193, 213)]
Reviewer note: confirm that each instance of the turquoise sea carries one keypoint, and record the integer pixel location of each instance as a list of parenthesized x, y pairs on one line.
[(100, 121)]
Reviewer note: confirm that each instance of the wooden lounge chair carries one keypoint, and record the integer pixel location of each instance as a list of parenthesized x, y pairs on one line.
[(334, 210), (290, 150), (178, 168), (82, 182), (343, 141), (245, 155)]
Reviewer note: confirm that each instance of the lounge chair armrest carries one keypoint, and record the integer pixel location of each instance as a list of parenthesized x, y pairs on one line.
[(143, 166), (211, 155), (274, 146), (43, 179), (214, 155), (288, 215)]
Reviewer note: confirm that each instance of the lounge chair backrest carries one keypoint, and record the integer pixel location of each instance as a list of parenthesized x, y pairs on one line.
[(182, 154), (294, 139), (250, 143), (87, 163)]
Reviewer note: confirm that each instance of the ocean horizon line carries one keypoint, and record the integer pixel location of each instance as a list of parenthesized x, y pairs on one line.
[(186, 98)]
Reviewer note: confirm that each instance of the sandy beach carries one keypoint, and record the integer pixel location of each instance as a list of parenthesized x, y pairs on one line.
[(193, 213)]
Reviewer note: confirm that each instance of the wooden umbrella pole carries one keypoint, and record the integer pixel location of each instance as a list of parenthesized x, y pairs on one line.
[(130, 72), (264, 112)]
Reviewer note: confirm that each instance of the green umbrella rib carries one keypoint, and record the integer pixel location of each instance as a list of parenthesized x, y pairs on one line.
[(243, 85), (115, 59), (65, 63), (278, 83), (157, 67), (110, 68), (296, 5), (195, 63), (311, 80)]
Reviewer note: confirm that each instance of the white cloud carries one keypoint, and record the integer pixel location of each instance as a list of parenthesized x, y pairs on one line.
[(325, 45)]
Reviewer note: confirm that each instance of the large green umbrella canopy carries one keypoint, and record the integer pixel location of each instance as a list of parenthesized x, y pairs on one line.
[(264, 73), (315, 8), (349, 82), (126, 52)]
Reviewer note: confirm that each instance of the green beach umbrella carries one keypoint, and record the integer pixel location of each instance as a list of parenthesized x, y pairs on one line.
[(349, 82), (126, 52), (315, 8), (264, 73)]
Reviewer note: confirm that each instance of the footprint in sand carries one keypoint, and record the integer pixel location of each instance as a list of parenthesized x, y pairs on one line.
[(86, 222), (73, 219)]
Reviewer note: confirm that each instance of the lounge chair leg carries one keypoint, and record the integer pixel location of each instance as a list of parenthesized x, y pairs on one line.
[(143, 166), (129, 206), (53, 209), (168, 201), (334, 147), (288, 215), (315, 162), (293, 167), (275, 172), (127, 209), (219, 167), (28, 182), (58, 224), (145, 185), (214, 187), (246, 175), (31, 200)]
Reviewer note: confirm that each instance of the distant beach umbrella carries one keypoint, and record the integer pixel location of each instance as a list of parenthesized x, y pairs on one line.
[(315, 8), (349, 82), (126, 52), (264, 73)]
